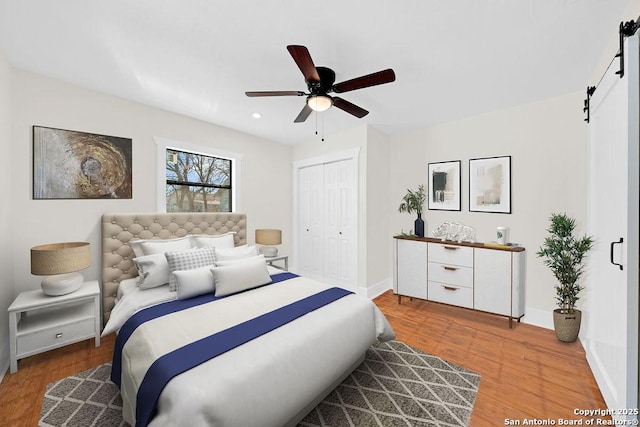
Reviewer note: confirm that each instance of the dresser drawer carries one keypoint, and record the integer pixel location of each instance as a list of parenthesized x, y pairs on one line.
[(35, 342), (451, 274), (450, 254), (450, 294)]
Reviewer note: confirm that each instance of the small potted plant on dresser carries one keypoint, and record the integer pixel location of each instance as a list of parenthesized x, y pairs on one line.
[(413, 202), (565, 255)]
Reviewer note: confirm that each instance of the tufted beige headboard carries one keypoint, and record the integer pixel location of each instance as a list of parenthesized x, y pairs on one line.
[(119, 229)]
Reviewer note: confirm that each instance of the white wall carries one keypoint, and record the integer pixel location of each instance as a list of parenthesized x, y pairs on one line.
[(266, 178), (6, 189), (547, 144), (379, 248)]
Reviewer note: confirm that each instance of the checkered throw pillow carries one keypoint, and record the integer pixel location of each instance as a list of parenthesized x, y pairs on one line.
[(188, 260)]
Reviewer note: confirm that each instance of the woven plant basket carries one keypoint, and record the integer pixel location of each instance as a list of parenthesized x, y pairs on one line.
[(567, 325)]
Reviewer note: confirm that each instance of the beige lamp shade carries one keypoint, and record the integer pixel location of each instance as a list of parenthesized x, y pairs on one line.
[(268, 237), (61, 262)]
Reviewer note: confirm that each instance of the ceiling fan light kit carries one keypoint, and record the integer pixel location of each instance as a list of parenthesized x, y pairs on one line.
[(319, 102), (320, 82)]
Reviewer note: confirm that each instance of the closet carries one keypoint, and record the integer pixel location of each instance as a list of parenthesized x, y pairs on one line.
[(327, 207), (610, 321)]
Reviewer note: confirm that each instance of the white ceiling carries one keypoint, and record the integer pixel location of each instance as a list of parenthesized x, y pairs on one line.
[(452, 58)]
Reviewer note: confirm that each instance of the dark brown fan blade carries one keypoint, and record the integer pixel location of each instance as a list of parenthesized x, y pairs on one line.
[(275, 93), (373, 79), (302, 57), (349, 107), (303, 114)]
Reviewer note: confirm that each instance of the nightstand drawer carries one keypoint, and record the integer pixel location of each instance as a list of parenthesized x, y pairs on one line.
[(451, 274), (450, 254), (449, 294), (55, 337)]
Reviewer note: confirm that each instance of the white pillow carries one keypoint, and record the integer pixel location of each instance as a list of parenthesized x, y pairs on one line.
[(230, 279), (239, 260), (191, 283), (136, 246), (213, 241), (153, 270), (161, 246), (188, 260), (157, 246), (244, 251)]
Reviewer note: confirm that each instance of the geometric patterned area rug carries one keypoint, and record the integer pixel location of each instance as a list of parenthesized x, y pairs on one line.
[(396, 385), (85, 399)]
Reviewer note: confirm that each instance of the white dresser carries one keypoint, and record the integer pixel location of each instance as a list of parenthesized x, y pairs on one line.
[(472, 275), (38, 322)]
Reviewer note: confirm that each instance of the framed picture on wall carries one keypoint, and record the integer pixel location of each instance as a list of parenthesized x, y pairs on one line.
[(490, 184), (77, 165), (444, 186)]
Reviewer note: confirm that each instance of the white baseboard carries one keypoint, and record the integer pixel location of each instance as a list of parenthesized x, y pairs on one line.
[(537, 317), (4, 359), (376, 289)]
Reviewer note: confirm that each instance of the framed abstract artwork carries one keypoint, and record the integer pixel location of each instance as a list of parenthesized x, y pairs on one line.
[(444, 186), (77, 165), (490, 184)]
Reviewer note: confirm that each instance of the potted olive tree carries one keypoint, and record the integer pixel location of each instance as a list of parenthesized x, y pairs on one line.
[(565, 255), (413, 202)]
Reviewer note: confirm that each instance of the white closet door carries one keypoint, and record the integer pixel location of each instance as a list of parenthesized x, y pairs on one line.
[(611, 336), (328, 223), (340, 222), (348, 233), (332, 254), (311, 200)]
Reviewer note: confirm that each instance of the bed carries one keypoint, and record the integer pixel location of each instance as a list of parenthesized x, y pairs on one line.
[(310, 335)]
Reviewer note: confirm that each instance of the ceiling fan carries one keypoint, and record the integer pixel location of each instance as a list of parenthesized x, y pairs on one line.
[(320, 82)]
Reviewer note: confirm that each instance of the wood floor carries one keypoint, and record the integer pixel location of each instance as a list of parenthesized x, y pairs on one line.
[(526, 372)]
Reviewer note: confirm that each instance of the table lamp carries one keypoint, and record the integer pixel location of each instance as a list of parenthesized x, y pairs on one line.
[(268, 237), (61, 262)]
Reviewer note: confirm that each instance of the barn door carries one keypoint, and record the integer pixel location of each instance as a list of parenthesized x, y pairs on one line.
[(611, 335)]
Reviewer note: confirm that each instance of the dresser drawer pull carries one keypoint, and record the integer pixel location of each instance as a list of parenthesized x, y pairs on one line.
[(449, 288), (449, 268), (59, 335), (451, 248)]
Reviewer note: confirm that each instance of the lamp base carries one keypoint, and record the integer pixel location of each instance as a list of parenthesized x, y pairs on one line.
[(62, 284), (268, 251)]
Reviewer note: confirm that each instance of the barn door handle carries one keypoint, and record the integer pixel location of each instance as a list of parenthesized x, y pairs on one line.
[(611, 253)]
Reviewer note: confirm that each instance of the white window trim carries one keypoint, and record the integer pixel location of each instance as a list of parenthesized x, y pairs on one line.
[(162, 144)]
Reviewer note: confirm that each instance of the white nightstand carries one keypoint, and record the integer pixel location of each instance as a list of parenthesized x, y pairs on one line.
[(38, 322), (285, 258)]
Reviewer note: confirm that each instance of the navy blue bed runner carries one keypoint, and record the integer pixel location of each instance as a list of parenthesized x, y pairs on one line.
[(160, 310), (198, 352)]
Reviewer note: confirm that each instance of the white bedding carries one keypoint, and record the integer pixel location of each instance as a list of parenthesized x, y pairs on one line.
[(266, 381), (130, 299)]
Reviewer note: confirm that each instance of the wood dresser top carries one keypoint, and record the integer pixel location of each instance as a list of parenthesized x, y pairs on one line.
[(489, 245)]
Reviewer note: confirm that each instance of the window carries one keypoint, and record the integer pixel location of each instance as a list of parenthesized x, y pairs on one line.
[(232, 191), (198, 182)]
